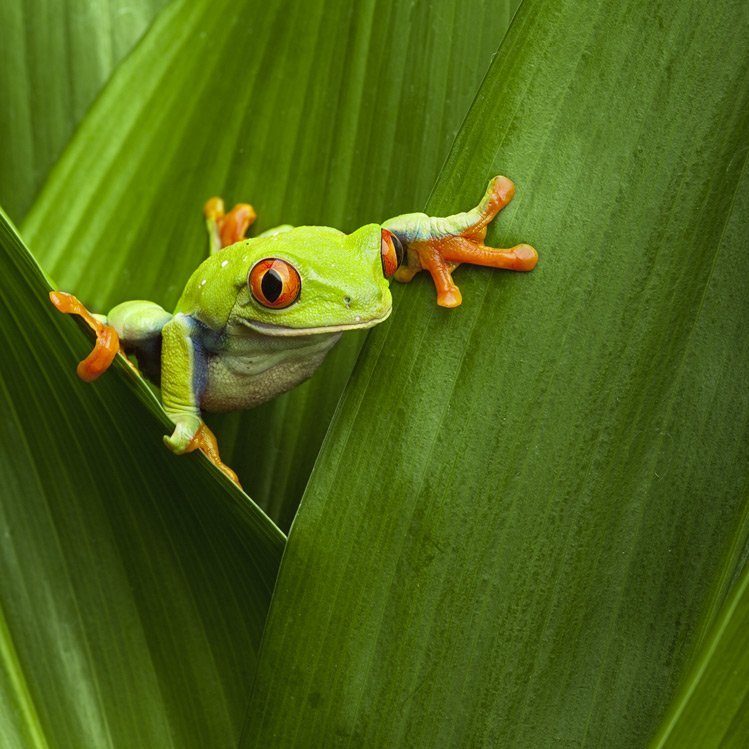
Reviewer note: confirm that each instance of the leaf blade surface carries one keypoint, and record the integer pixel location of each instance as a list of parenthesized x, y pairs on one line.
[(134, 585), (710, 709), (528, 556), (54, 60)]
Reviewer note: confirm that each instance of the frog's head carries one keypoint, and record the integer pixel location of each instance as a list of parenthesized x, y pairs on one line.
[(314, 279)]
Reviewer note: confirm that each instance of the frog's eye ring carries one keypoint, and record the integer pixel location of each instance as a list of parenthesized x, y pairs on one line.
[(391, 253), (274, 283)]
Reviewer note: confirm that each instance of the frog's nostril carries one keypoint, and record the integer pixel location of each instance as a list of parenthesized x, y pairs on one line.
[(347, 301)]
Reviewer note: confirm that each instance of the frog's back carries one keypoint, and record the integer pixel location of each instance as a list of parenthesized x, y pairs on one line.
[(211, 291)]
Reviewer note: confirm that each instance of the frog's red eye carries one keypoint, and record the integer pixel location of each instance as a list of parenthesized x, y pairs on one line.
[(274, 283), (391, 253)]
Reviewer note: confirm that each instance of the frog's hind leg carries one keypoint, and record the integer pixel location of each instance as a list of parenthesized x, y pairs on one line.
[(138, 324), (131, 327), (225, 229), (107, 340)]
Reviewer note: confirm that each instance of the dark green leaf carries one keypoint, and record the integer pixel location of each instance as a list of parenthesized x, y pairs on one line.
[(712, 707), (133, 584), (521, 517), (55, 57)]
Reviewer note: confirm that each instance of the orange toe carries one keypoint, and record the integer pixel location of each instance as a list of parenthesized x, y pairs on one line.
[(504, 189), (526, 257), (100, 359), (213, 209), (205, 441), (449, 298), (107, 341), (234, 225)]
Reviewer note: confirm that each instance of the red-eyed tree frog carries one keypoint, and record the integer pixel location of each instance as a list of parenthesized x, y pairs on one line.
[(258, 316)]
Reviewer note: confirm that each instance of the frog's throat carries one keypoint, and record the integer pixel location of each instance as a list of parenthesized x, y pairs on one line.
[(285, 330)]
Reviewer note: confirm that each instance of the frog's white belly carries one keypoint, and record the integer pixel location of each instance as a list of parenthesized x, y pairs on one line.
[(250, 368)]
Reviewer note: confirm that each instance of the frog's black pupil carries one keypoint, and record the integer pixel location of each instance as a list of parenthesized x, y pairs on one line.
[(272, 285), (398, 245)]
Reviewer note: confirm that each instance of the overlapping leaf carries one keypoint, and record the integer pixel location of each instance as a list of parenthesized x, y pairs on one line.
[(523, 516), (318, 113), (54, 58), (711, 708), (134, 584)]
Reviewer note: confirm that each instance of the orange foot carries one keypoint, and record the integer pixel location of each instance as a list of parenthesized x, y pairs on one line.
[(107, 341), (205, 441), (458, 239), (225, 229)]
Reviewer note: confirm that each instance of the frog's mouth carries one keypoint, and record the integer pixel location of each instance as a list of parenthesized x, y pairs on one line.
[(267, 328)]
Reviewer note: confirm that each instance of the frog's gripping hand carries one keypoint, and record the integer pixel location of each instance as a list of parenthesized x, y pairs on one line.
[(439, 245)]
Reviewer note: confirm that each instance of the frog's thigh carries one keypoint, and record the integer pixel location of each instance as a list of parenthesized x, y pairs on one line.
[(137, 321)]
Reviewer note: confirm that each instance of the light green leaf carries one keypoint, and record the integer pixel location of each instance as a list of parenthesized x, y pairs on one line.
[(523, 514), (317, 112), (133, 584), (711, 707), (54, 58)]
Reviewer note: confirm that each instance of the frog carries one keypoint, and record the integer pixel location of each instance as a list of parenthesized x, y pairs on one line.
[(259, 315)]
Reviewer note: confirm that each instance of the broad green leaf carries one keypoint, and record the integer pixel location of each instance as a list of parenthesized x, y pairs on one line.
[(522, 514), (55, 56), (322, 113), (711, 709), (133, 584)]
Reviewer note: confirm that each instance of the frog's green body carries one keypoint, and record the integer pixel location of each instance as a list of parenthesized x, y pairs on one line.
[(259, 315), (222, 350)]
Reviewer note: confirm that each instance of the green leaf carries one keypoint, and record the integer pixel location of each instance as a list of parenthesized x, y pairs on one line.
[(54, 59), (317, 112), (133, 584), (521, 518), (711, 707)]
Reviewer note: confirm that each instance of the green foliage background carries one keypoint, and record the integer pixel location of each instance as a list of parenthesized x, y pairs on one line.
[(527, 524)]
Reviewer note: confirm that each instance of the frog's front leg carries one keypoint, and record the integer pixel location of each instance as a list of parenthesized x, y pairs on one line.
[(183, 376), (439, 245), (225, 229)]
